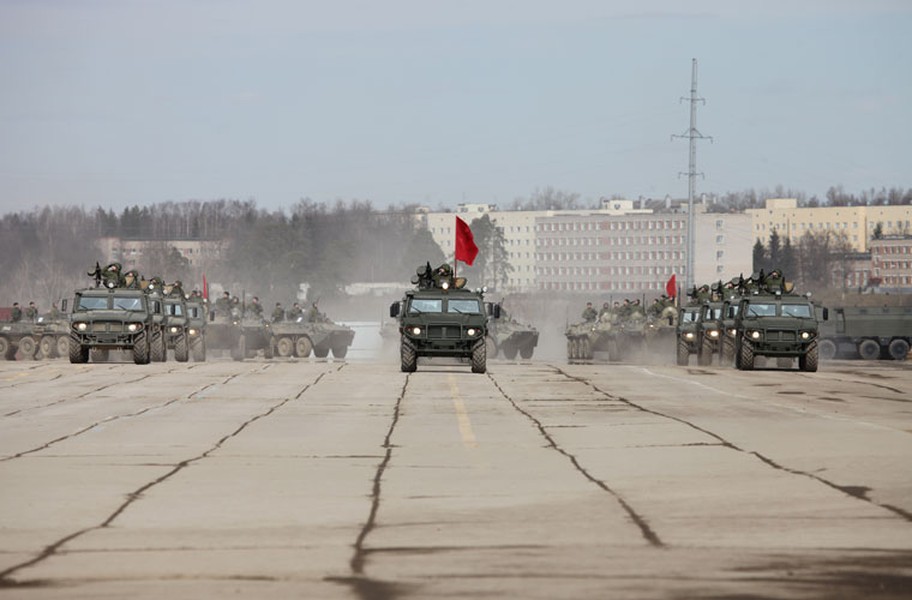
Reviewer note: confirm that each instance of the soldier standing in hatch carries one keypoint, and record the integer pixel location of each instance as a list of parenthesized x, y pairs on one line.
[(16, 314), (295, 312), (256, 308), (223, 304), (589, 313), (278, 313), (31, 313)]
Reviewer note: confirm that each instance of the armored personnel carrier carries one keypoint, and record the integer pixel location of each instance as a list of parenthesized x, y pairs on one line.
[(312, 332), (586, 338), (510, 337), (240, 333), (53, 335), (440, 318), (16, 336)]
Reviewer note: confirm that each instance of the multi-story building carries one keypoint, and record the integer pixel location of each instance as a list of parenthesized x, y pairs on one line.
[(615, 248), (858, 223), (130, 252), (891, 262)]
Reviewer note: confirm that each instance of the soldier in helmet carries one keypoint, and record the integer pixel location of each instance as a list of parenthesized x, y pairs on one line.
[(223, 304), (278, 313), (589, 313), (295, 312), (16, 314), (605, 310), (31, 313), (255, 307)]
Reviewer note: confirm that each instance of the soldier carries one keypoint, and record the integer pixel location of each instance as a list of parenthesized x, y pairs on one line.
[(16, 314), (255, 307), (278, 313), (112, 275), (31, 313), (295, 312), (313, 313), (589, 313), (606, 310), (55, 312), (223, 304), (195, 295)]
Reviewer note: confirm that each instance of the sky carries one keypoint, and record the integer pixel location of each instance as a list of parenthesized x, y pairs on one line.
[(116, 103)]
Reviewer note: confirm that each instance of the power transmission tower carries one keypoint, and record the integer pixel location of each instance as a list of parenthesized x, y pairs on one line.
[(693, 134)]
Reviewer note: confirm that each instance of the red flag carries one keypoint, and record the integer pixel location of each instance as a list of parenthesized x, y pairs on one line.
[(466, 250), (205, 288), (671, 288)]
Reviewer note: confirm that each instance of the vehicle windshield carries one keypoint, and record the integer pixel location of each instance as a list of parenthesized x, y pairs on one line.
[(689, 316), (425, 305), (715, 313), (470, 306), (129, 303), (761, 310), (175, 310), (92, 303), (796, 310), (193, 311)]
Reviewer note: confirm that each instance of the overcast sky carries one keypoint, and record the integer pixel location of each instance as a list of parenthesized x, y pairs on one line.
[(120, 102)]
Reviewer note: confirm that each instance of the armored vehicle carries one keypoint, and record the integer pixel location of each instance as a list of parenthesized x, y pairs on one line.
[(241, 334), (867, 332), (300, 336), (631, 333), (442, 319), (53, 335), (17, 336), (778, 325), (711, 332), (688, 333), (510, 337), (177, 325), (196, 330), (586, 338), (105, 319)]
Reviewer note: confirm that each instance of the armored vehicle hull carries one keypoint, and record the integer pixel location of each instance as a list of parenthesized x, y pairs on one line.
[(588, 337), (510, 338), (869, 333), (105, 319), (301, 338), (781, 326)]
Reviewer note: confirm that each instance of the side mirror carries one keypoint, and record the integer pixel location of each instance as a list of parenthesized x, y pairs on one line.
[(493, 310), (826, 314), (394, 310), (212, 315), (63, 305)]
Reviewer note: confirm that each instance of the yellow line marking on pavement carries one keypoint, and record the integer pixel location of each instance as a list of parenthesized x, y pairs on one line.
[(462, 416)]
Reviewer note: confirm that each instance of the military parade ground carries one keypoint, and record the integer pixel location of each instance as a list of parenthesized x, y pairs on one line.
[(348, 478)]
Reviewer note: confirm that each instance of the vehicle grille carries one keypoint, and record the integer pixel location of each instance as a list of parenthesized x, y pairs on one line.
[(776, 335), (107, 327), (444, 332)]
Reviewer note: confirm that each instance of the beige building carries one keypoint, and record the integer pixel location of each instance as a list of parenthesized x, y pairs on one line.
[(129, 253), (891, 262), (856, 222)]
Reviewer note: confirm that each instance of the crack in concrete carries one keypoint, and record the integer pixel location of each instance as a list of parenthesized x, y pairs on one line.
[(6, 580), (647, 532)]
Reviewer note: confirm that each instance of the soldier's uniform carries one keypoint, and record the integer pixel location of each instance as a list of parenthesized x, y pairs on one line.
[(31, 313), (16, 314), (295, 312), (255, 307), (589, 313), (278, 313)]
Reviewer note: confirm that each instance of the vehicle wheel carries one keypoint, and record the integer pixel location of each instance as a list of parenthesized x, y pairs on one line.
[(28, 348), (827, 349), (526, 351), (784, 362), (239, 352), (683, 353), (569, 349), (808, 362), (491, 343), (408, 356), (705, 354), (303, 347), (78, 353), (746, 357), (869, 350), (340, 350), (198, 349), (510, 351), (479, 358), (142, 351), (98, 355), (5, 347), (585, 348), (63, 345), (48, 346), (898, 349), (158, 350), (181, 351), (285, 346)]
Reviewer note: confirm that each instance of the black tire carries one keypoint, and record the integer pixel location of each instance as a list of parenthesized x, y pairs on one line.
[(683, 354), (99, 355), (746, 357), (705, 354), (898, 349), (321, 351), (526, 351), (808, 362), (239, 352), (303, 347), (181, 349), (28, 347), (78, 353), (142, 350), (510, 351), (48, 346), (63, 345), (340, 350), (285, 346), (869, 350), (5, 347), (198, 349), (827, 349), (408, 357), (158, 350), (479, 358)]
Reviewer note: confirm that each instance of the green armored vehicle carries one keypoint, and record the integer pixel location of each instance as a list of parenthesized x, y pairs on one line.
[(687, 332), (631, 333), (105, 319), (586, 338), (196, 330), (17, 336), (867, 332), (711, 332), (53, 335), (511, 337), (778, 325), (442, 319), (177, 326), (311, 332), (240, 333)]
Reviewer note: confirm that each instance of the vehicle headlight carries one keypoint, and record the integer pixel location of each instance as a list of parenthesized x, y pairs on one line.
[(131, 327), (174, 329), (192, 331), (471, 331), (713, 333), (445, 285), (81, 326), (754, 335), (689, 335), (805, 335), (416, 330), (733, 332)]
